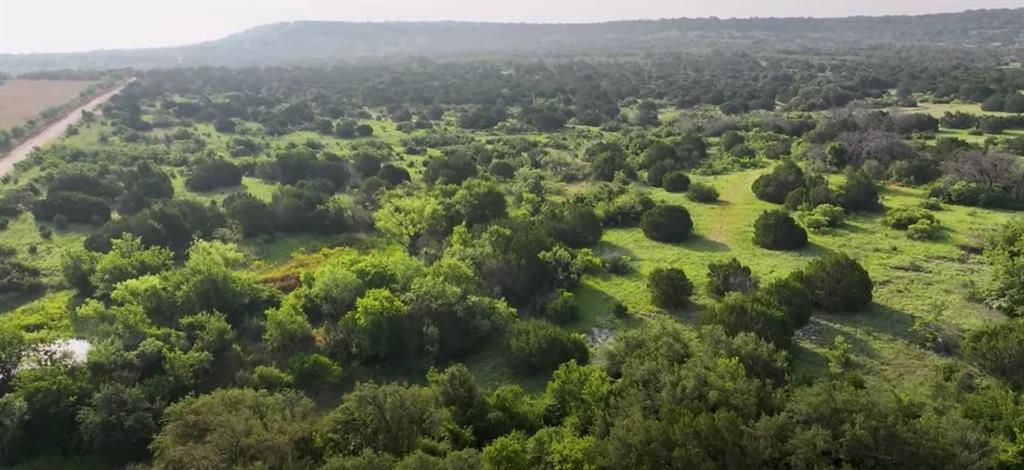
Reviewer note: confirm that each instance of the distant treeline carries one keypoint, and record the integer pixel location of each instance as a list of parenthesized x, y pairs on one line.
[(308, 42)]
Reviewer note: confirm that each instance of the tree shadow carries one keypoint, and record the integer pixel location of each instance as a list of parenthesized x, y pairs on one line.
[(700, 243), (822, 332), (880, 320)]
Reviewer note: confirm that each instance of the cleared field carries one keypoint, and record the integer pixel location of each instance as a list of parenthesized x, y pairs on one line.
[(22, 99)]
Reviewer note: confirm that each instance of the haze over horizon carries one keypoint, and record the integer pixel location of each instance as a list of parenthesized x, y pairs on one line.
[(76, 26)]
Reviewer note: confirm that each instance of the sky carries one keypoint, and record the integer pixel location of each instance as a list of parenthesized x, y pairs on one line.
[(71, 26)]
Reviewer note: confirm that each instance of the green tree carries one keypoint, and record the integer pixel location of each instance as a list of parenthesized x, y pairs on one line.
[(776, 230), (118, 422), (837, 283), (128, 260), (385, 418), (229, 428), (539, 346), (669, 287), (667, 223), (377, 323)]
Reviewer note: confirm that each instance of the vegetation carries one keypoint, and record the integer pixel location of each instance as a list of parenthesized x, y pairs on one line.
[(553, 260)]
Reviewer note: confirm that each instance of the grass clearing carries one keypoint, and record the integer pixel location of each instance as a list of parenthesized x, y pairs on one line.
[(915, 281)]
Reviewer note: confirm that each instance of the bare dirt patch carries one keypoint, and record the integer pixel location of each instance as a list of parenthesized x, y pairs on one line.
[(24, 99)]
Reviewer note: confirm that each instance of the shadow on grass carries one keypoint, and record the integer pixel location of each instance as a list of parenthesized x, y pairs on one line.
[(699, 243), (881, 320), (12, 301)]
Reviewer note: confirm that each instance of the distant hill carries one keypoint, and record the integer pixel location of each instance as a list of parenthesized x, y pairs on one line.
[(316, 42)]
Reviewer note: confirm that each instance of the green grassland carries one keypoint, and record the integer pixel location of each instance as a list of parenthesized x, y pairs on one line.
[(914, 281)]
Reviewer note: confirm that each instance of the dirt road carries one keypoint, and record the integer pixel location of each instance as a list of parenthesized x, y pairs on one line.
[(51, 132)]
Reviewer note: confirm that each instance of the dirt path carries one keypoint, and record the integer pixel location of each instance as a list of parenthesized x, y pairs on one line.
[(51, 132), (736, 192)]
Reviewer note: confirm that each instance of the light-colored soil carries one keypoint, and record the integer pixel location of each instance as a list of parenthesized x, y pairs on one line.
[(24, 99), (50, 133)]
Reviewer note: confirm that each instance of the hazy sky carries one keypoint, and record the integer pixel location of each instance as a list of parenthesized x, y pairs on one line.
[(64, 26)]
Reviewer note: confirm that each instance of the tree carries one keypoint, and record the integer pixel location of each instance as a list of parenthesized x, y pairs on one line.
[(538, 346), (232, 427), (858, 192), (251, 214), (675, 182), (213, 174), (669, 287), (775, 186), (999, 350), (837, 283), (575, 225), (53, 393), (13, 348), (118, 422), (364, 130), (577, 396), (128, 259), (385, 418), (776, 230), (335, 290), (701, 192), (667, 223), (1014, 103), (457, 390), (312, 371), (730, 276), (376, 323), (479, 202), (509, 452), (1005, 252), (13, 416), (739, 313), (75, 206), (287, 330), (993, 103)]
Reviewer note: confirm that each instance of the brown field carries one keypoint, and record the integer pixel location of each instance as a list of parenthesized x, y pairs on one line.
[(22, 99)]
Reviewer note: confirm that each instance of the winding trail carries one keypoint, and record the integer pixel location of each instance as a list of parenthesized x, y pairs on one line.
[(51, 132), (736, 193)]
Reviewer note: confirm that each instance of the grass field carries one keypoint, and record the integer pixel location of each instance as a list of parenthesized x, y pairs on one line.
[(915, 282), (23, 99)]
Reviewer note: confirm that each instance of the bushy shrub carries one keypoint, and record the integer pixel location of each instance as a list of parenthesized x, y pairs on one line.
[(669, 287), (903, 217), (999, 350), (626, 209), (667, 223), (822, 217), (675, 182), (837, 283), (314, 370), (774, 186), (739, 313), (923, 230), (730, 276), (790, 296), (700, 192), (540, 346), (858, 192), (776, 230), (561, 308), (213, 174), (76, 207)]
